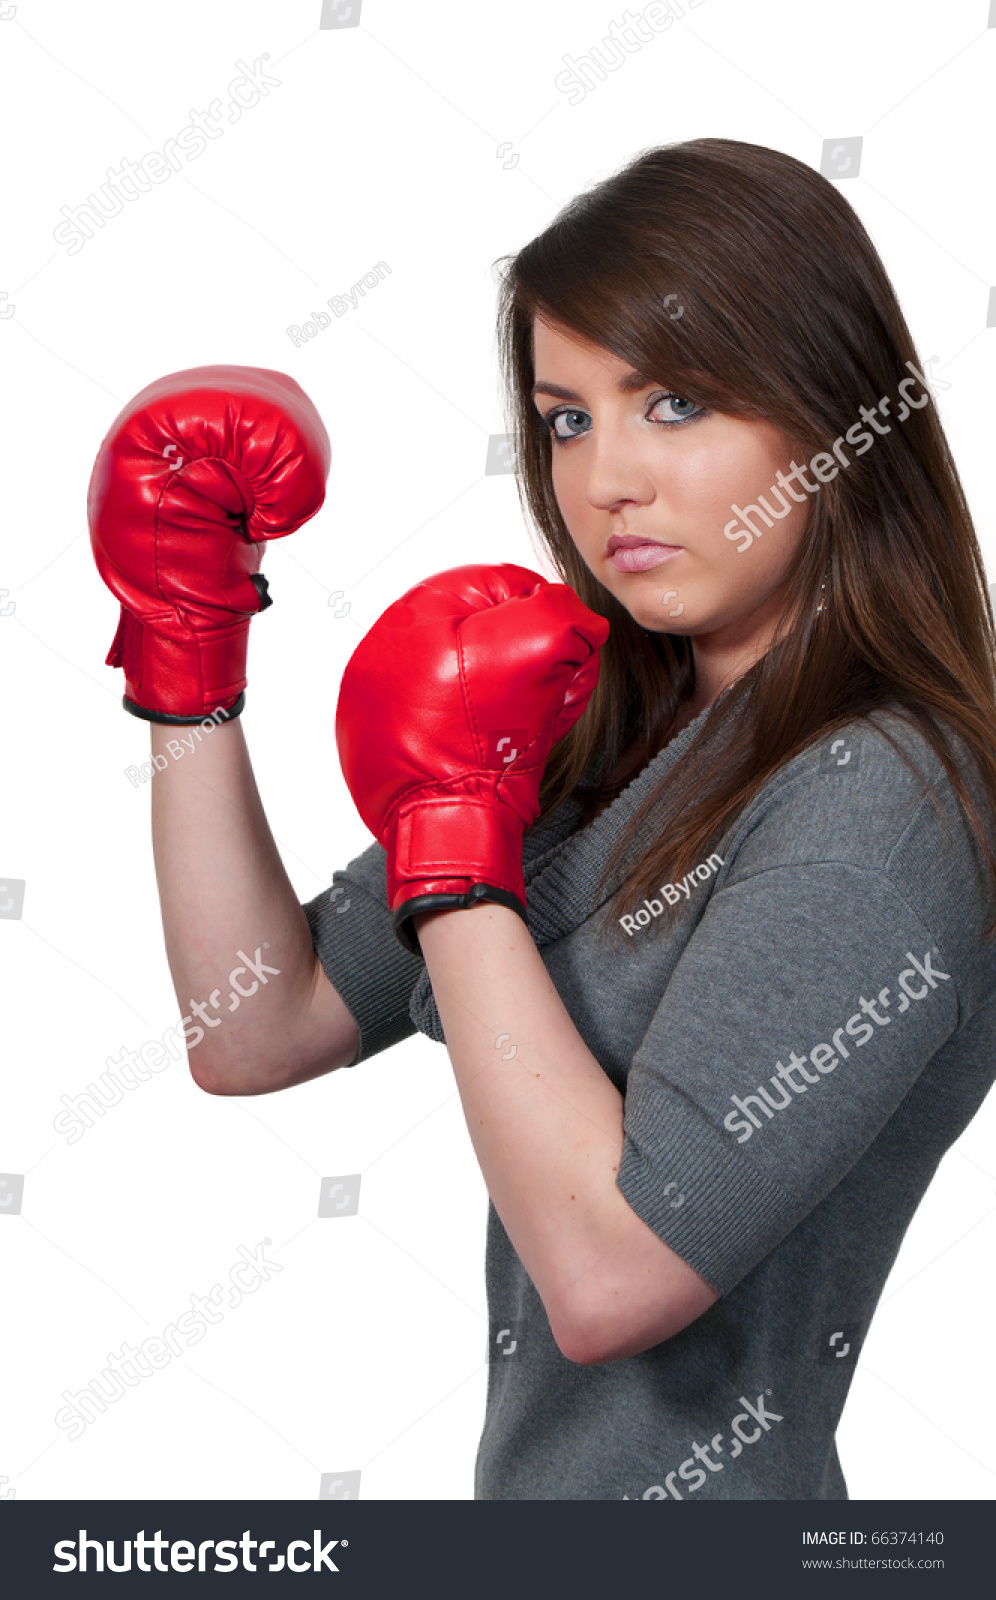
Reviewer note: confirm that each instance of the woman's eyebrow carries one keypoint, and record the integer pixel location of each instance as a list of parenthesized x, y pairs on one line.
[(630, 383)]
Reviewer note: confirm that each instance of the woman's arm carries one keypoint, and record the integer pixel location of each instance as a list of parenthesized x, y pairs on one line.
[(547, 1126), (223, 889)]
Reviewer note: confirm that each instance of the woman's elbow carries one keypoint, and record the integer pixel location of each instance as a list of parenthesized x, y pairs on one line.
[(591, 1338), (239, 1074), (588, 1341), (593, 1347)]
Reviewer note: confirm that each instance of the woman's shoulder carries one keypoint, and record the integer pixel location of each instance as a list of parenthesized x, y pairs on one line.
[(872, 801), (857, 790), (884, 748)]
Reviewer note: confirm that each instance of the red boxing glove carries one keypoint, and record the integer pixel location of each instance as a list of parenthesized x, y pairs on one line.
[(448, 710), (196, 472)]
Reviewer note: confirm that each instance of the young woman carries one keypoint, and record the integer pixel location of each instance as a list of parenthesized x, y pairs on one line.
[(717, 1013)]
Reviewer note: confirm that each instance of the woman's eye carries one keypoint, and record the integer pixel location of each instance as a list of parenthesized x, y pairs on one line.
[(575, 422), (571, 423), (681, 408)]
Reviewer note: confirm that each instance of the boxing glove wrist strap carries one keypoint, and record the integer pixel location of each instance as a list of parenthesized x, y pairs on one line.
[(180, 675), (447, 854)]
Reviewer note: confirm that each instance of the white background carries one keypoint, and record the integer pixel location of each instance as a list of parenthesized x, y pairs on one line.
[(382, 142)]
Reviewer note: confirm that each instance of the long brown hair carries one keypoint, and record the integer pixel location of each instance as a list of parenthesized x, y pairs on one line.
[(786, 314)]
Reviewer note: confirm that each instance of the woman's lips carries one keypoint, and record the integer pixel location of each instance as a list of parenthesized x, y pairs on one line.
[(642, 557)]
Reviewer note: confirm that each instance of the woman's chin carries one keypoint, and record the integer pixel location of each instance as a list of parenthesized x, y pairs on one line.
[(664, 614)]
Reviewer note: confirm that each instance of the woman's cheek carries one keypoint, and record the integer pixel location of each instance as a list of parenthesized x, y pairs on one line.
[(572, 509)]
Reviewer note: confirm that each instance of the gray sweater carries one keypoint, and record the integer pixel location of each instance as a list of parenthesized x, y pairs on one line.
[(800, 1030)]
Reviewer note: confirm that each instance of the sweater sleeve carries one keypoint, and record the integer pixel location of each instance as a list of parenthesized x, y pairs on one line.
[(801, 1013), (363, 960), (841, 950)]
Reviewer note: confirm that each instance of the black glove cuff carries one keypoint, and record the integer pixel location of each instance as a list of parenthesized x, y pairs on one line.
[(404, 926), (218, 715)]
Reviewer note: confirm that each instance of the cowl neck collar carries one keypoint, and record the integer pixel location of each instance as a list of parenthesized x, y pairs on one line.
[(563, 863)]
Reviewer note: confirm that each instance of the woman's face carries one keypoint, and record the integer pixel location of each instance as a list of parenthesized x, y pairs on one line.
[(646, 481)]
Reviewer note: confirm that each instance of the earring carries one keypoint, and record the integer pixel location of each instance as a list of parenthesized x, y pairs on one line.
[(823, 594)]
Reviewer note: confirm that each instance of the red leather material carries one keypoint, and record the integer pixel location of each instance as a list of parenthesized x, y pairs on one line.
[(448, 710), (194, 475), (454, 842)]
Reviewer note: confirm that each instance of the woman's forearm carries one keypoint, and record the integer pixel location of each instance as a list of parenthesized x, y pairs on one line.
[(547, 1127), (223, 890)]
